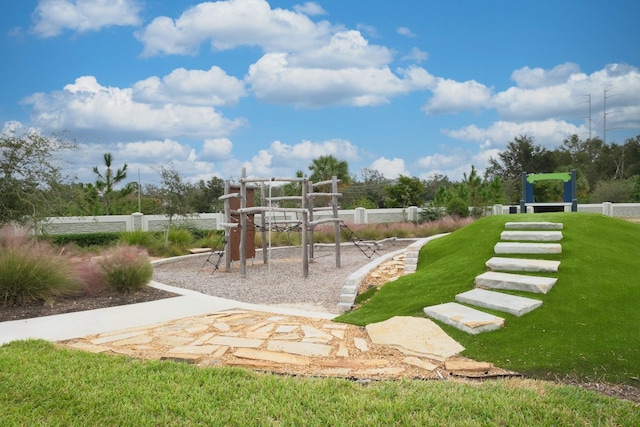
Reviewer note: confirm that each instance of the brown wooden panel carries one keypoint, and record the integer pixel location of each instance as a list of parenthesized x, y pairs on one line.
[(250, 249)]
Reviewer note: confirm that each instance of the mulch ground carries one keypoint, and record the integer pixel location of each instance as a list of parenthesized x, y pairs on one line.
[(80, 302)]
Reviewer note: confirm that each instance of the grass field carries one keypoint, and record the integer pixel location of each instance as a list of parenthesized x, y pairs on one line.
[(41, 384), (588, 324)]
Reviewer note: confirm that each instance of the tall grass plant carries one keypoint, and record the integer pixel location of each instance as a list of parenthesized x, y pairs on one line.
[(31, 271), (125, 268)]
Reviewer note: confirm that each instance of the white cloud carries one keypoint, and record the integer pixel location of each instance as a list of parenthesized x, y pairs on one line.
[(192, 87), (416, 55), (549, 133), (346, 49), (229, 24), (310, 9), (52, 17), (154, 150), (437, 161), (390, 168), (215, 149), (273, 79), (87, 105), (370, 30), (450, 96), (283, 160), (404, 31), (528, 78), (562, 92)]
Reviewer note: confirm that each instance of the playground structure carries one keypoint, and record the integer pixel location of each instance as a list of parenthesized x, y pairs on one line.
[(239, 225), (569, 197)]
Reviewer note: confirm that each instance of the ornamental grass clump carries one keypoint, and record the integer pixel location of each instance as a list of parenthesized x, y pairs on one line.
[(125, 268), (31, 271)]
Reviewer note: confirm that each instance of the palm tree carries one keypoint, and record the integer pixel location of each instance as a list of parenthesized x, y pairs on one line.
[(106, 182), (323, 168)]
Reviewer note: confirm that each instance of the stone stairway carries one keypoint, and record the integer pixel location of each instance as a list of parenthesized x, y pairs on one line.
[(519, 238)]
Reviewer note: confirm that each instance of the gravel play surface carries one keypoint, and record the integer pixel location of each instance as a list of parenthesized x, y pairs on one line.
[(279, 282)]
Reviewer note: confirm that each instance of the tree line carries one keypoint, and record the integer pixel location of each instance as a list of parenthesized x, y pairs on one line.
[(33, 187)]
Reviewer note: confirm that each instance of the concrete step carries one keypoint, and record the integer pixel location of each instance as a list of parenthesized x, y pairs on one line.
[(511, 304), (534, 236), (533, 226), (515, 282), (527, 248), (523, 264), (464, 318)]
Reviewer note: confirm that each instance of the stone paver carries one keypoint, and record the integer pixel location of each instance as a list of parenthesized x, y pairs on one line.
[(515, 282), (415, 337), (518, 306), (533, 236), (288, 344), (533, 225), (527, 248), (523, 264), (464, 318)]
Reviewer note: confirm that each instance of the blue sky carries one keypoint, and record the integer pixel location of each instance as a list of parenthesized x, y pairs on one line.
[(403, 87)]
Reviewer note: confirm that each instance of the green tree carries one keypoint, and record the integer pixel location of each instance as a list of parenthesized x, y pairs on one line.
[(174, 196), (521, 155), (106, 182), (204, 196), (323, 168), (30, 169), (368, 193), (406, 191)]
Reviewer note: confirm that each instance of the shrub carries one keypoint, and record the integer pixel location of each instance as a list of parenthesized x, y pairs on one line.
[(125, 268), (137, 238), (32, 271), (180, 237), (85, 240), (458, 207), (431, 213)]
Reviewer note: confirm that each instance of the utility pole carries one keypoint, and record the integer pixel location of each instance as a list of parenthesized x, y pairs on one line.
[(589, 117)]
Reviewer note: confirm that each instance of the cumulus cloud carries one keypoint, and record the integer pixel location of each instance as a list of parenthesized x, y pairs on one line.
[(310, 9), (87, 105), (563, 90), (345, 49), (282, 160), (229, 24), (52, 17), (390, 168), (450, 96), (549, 132), (274, 79), (216, 148), (529, 78), (416, 55), (212, 87), (404, 31)]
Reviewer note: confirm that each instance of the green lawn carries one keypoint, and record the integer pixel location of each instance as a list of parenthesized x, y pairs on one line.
[(41, 384), (588, 325)]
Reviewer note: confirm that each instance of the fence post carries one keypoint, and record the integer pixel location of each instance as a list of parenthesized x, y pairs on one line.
[(360, 216), (136, 221)]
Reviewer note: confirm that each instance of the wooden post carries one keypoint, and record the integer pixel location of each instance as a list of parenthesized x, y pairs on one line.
[(227, 230), (311, 230), (305, 226), (336, 224), (243, 224), (265, 254)]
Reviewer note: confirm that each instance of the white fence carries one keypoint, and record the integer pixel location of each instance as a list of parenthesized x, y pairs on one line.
[(212, 221)]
